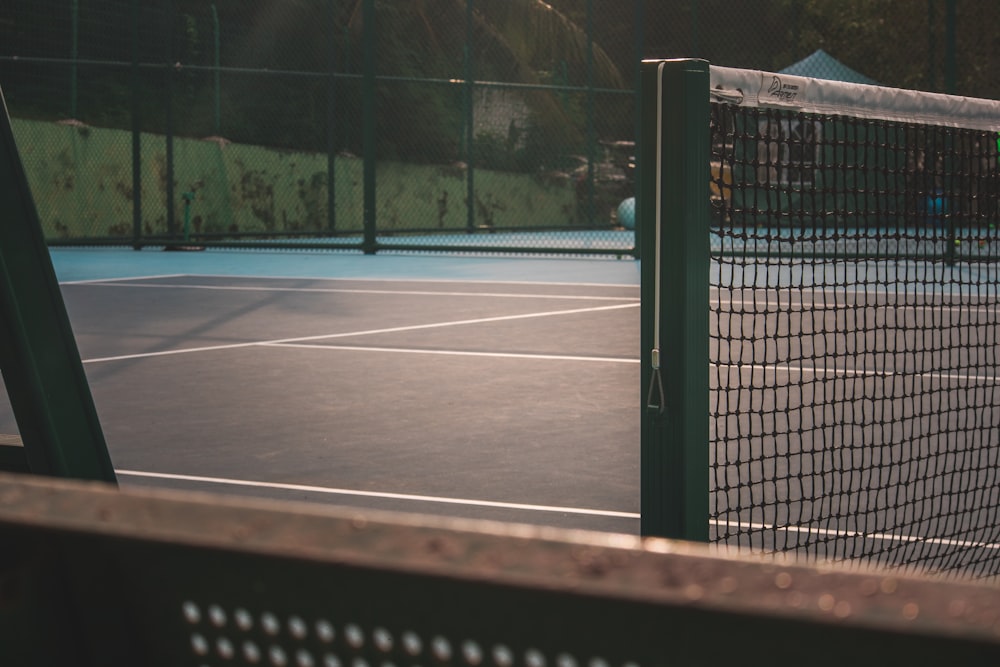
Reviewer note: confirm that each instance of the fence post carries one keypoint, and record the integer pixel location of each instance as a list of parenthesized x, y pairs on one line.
[(136, 135), (674, 189), (470, 132), (217, 124), (639, 45), (331, 124), (74, 54), (169, 92), (369, 244), (591, 139)]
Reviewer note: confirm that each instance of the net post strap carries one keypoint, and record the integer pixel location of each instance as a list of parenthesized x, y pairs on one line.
[(655, 399)]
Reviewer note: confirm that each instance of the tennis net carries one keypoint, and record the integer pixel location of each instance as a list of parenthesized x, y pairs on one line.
[(853, 325)]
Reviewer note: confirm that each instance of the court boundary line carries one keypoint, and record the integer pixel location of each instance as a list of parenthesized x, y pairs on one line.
[(369, 332), (855, 534), (332, 290), (380, 279), (91, 281), (469, 502), (385, 495), (403, 279), (454, 353), (803, 305)]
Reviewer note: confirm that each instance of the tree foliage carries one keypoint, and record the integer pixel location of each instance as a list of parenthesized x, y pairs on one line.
[(277, 56)]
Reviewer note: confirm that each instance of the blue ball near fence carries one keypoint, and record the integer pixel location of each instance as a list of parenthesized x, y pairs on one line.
[(626, 213), (936, 208)]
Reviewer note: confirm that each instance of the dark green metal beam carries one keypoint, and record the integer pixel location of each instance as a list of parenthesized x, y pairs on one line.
[(469, 594), (48, 389)]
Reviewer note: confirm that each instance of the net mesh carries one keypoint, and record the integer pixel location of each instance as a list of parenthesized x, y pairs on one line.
[(855, 339)]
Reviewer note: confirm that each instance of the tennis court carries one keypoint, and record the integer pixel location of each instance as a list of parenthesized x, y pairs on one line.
[(417, 388), (848, 409), (420, 388)]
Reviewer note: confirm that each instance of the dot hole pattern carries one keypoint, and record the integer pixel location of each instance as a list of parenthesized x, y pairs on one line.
[(218, 636)]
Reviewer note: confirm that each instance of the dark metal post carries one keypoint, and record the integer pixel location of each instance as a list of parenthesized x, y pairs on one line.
[(45, 380), (74, 54), (217, 125), (675, 261), (369, 244), (470, 133), (331, 124), (640, 46), (136, 134), (169, 104), (591, 140)]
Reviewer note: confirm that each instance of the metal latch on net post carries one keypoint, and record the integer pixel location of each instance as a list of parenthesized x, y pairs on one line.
[(656, 397)]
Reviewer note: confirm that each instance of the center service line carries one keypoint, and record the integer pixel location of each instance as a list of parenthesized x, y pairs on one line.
[(369, 332)]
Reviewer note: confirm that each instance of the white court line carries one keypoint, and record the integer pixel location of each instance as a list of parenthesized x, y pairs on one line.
[(433, 281), (883, 537), (368, 332), (336, 290), (455, 353), (279, 486), (100, 281), (379, 494)]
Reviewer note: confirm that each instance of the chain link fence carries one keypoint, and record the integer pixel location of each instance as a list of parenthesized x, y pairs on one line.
[(370, 124)]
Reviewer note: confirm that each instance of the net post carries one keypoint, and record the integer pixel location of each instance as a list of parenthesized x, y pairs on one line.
[(674, 210)]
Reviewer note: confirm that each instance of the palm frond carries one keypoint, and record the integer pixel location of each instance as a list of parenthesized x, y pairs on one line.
[(541, 38)]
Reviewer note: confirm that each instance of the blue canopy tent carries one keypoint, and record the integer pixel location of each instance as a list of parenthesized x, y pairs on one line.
[(821, 65)]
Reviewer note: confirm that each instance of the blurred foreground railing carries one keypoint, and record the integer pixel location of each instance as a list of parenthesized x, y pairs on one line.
[(90, 575)]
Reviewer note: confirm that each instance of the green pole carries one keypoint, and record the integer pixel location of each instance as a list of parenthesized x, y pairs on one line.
[(470, 190), (74, 52), (640, 37), (591, 139), (674, 462), (331, 124), (188, 197), (136, 134), (46, 384), (168, 73), (217, 131), (369, 243)]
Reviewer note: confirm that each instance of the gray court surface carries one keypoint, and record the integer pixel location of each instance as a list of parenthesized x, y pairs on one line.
[(510, 398), (508, 388)]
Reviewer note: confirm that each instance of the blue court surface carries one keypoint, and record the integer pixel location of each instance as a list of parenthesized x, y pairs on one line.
[(500, 388), (73, 264)]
